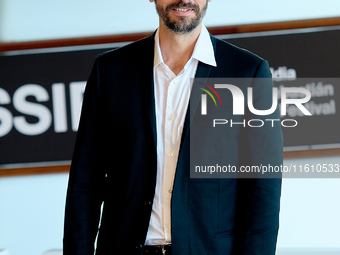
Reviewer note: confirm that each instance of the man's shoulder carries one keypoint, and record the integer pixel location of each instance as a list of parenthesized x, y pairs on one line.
[(130, 53), (227, 49), (239, 62)]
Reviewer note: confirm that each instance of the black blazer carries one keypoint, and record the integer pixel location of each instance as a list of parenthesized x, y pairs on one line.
[(115, 161)]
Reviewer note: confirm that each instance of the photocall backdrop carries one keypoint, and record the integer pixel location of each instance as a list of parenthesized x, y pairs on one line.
[(41, 92)]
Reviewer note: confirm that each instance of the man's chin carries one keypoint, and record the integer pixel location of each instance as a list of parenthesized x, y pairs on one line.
[(181, 29), (182, 24)]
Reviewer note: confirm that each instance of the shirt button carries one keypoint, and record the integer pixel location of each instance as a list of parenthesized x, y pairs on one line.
[(171, 117), (171, 154), (175, 81)]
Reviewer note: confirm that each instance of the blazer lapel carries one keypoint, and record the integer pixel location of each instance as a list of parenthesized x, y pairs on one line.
[(146, 74)]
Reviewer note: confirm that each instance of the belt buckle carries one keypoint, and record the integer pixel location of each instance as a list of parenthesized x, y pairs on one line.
[(163, 250)]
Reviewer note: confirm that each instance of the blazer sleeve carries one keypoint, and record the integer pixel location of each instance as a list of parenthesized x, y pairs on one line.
[(86, 179), (261, 146)]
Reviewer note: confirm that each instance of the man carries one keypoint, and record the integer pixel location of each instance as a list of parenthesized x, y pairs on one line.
[(133, 150)]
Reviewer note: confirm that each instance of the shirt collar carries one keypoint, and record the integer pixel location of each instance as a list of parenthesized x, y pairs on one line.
[(203, 51), (158, 58)]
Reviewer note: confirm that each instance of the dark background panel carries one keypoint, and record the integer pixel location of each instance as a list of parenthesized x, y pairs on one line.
[(314, 54)]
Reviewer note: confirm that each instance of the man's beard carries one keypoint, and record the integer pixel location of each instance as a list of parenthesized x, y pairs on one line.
[(185, 24)]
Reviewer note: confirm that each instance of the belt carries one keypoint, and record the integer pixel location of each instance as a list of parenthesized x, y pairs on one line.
[(164, 249)]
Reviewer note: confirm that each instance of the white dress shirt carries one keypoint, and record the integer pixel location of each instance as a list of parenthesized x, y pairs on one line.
[(172, 95)]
